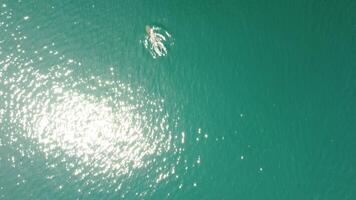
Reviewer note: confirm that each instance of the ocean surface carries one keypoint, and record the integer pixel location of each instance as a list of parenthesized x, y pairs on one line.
[(252, 100)]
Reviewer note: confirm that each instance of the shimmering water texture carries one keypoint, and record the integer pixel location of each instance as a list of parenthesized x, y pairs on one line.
[(157, 40), (104, 132)]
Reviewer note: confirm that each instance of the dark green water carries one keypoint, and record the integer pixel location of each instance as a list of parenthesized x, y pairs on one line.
[(255, 100)]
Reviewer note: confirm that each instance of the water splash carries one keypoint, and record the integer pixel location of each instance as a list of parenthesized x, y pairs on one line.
[(157, 40)]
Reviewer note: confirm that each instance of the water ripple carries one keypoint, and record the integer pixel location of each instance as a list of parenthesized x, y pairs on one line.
[(157, 41)]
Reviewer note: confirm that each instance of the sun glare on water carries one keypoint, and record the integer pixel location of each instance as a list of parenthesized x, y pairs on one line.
[(94, 126)]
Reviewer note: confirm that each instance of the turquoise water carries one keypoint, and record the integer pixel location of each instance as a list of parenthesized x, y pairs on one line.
[(254, 100)]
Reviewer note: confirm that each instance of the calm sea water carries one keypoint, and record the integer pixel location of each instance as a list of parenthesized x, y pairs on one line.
[(254, 100)]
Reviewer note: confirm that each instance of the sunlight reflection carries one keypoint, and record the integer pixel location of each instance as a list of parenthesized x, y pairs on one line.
[(115, 132), (100, 130), (107, 130)]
